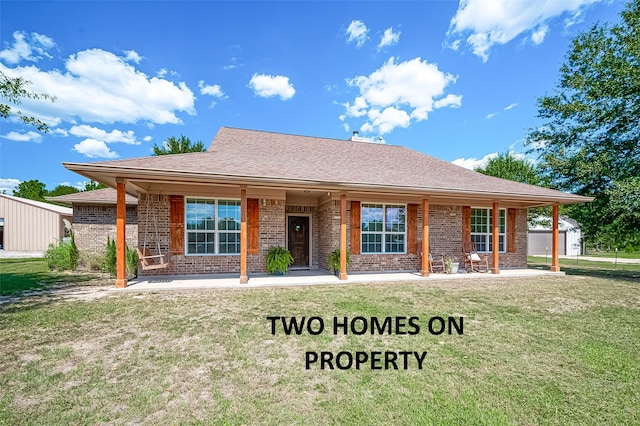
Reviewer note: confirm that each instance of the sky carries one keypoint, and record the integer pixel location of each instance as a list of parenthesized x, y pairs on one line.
[(455, 80)]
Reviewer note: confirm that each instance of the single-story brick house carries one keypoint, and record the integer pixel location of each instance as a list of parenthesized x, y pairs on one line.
[(219, 211), (94, 218)]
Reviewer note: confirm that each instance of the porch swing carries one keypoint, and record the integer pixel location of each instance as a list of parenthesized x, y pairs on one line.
[(147, 260)]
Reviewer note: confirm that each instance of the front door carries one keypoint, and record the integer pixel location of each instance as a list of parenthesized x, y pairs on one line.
[(298, 230)]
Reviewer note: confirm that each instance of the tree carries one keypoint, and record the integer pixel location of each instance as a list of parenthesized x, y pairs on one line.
[(590, 141), (173, 145), (62, 190), (508, 166), (14, 90), (31, 189), (92, 185)]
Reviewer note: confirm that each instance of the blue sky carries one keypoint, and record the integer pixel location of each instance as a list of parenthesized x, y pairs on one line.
[(456, 80)]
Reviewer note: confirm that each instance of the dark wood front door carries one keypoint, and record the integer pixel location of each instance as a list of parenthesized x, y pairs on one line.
[(298, 230)]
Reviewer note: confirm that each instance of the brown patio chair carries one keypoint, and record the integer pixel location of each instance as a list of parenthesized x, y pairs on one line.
[(436, 262), (476, 262)]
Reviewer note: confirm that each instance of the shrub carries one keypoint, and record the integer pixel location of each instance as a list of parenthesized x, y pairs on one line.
[(91, 261), (628, 248), (278, 259), (62, 256), (110, 263), (334, 260)]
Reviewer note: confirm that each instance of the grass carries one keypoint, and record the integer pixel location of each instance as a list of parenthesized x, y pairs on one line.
[(629, 271), (18, 275), (612, 254), (548, 350)]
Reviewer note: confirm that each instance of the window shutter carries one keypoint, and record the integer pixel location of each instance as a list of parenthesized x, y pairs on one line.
[(511, 230), (253, 226), (355, 227), (176, 223), (412, 228), (466, 224)]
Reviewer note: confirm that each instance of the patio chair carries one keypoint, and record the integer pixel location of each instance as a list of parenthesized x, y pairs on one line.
[(436, 262), (477, 262)]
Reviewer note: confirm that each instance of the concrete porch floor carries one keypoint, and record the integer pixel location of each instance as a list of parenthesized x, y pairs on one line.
[(307, 277)]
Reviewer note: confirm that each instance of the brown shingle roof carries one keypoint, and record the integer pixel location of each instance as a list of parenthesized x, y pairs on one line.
[(97, 196), (276, 157)]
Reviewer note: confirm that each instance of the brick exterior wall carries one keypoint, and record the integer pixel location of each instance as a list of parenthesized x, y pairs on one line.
[(92, 224), (445, 231)]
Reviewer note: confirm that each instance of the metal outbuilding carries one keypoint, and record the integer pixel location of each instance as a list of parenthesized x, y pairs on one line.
[(28, 225)]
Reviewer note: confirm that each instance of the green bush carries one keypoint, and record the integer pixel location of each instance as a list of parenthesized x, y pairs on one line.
[(628, 248), (334, 260), (278, 260), (62, 256), (110, 265)]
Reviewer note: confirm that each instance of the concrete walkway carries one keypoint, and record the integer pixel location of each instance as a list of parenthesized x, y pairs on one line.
[(308, 277), (4, 254)]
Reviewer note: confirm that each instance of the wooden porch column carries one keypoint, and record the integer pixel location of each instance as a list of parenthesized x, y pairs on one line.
[(343, 237), (424, 267), (495, 249), (121, 242), (244, 279), (555, 264)]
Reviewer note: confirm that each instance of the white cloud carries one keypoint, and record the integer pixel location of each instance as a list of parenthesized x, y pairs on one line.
[(491, 115), (100, 87), (539, 34), (60, 131), (7, 185), (357, 31), (86, 131), (132, 56), (215, 90), (487, 23), (397, 93), (268, 86), (93, 148), (474, 163), (147, 138), (30, 136), (510, 106), (28, 47), (389, 38)]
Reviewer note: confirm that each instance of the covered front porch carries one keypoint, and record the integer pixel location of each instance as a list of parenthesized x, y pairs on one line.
[(336, 214)]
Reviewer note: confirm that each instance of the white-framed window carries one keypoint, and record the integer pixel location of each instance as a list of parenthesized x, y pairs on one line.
[(383, 228), (212, 226), (482, 229)]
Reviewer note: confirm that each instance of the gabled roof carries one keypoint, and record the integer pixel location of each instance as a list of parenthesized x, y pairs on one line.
[(97, 196), (65, 211), (276, 159)]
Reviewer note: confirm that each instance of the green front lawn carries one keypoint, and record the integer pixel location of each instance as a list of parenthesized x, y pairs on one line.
[(590, 268), (548, 350), (18, 275)]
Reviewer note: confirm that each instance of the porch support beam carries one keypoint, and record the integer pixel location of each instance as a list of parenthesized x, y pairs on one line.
[(121, 242), (343, 237), (495, 246), (244, 278), (555, 263), (424, 267)]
